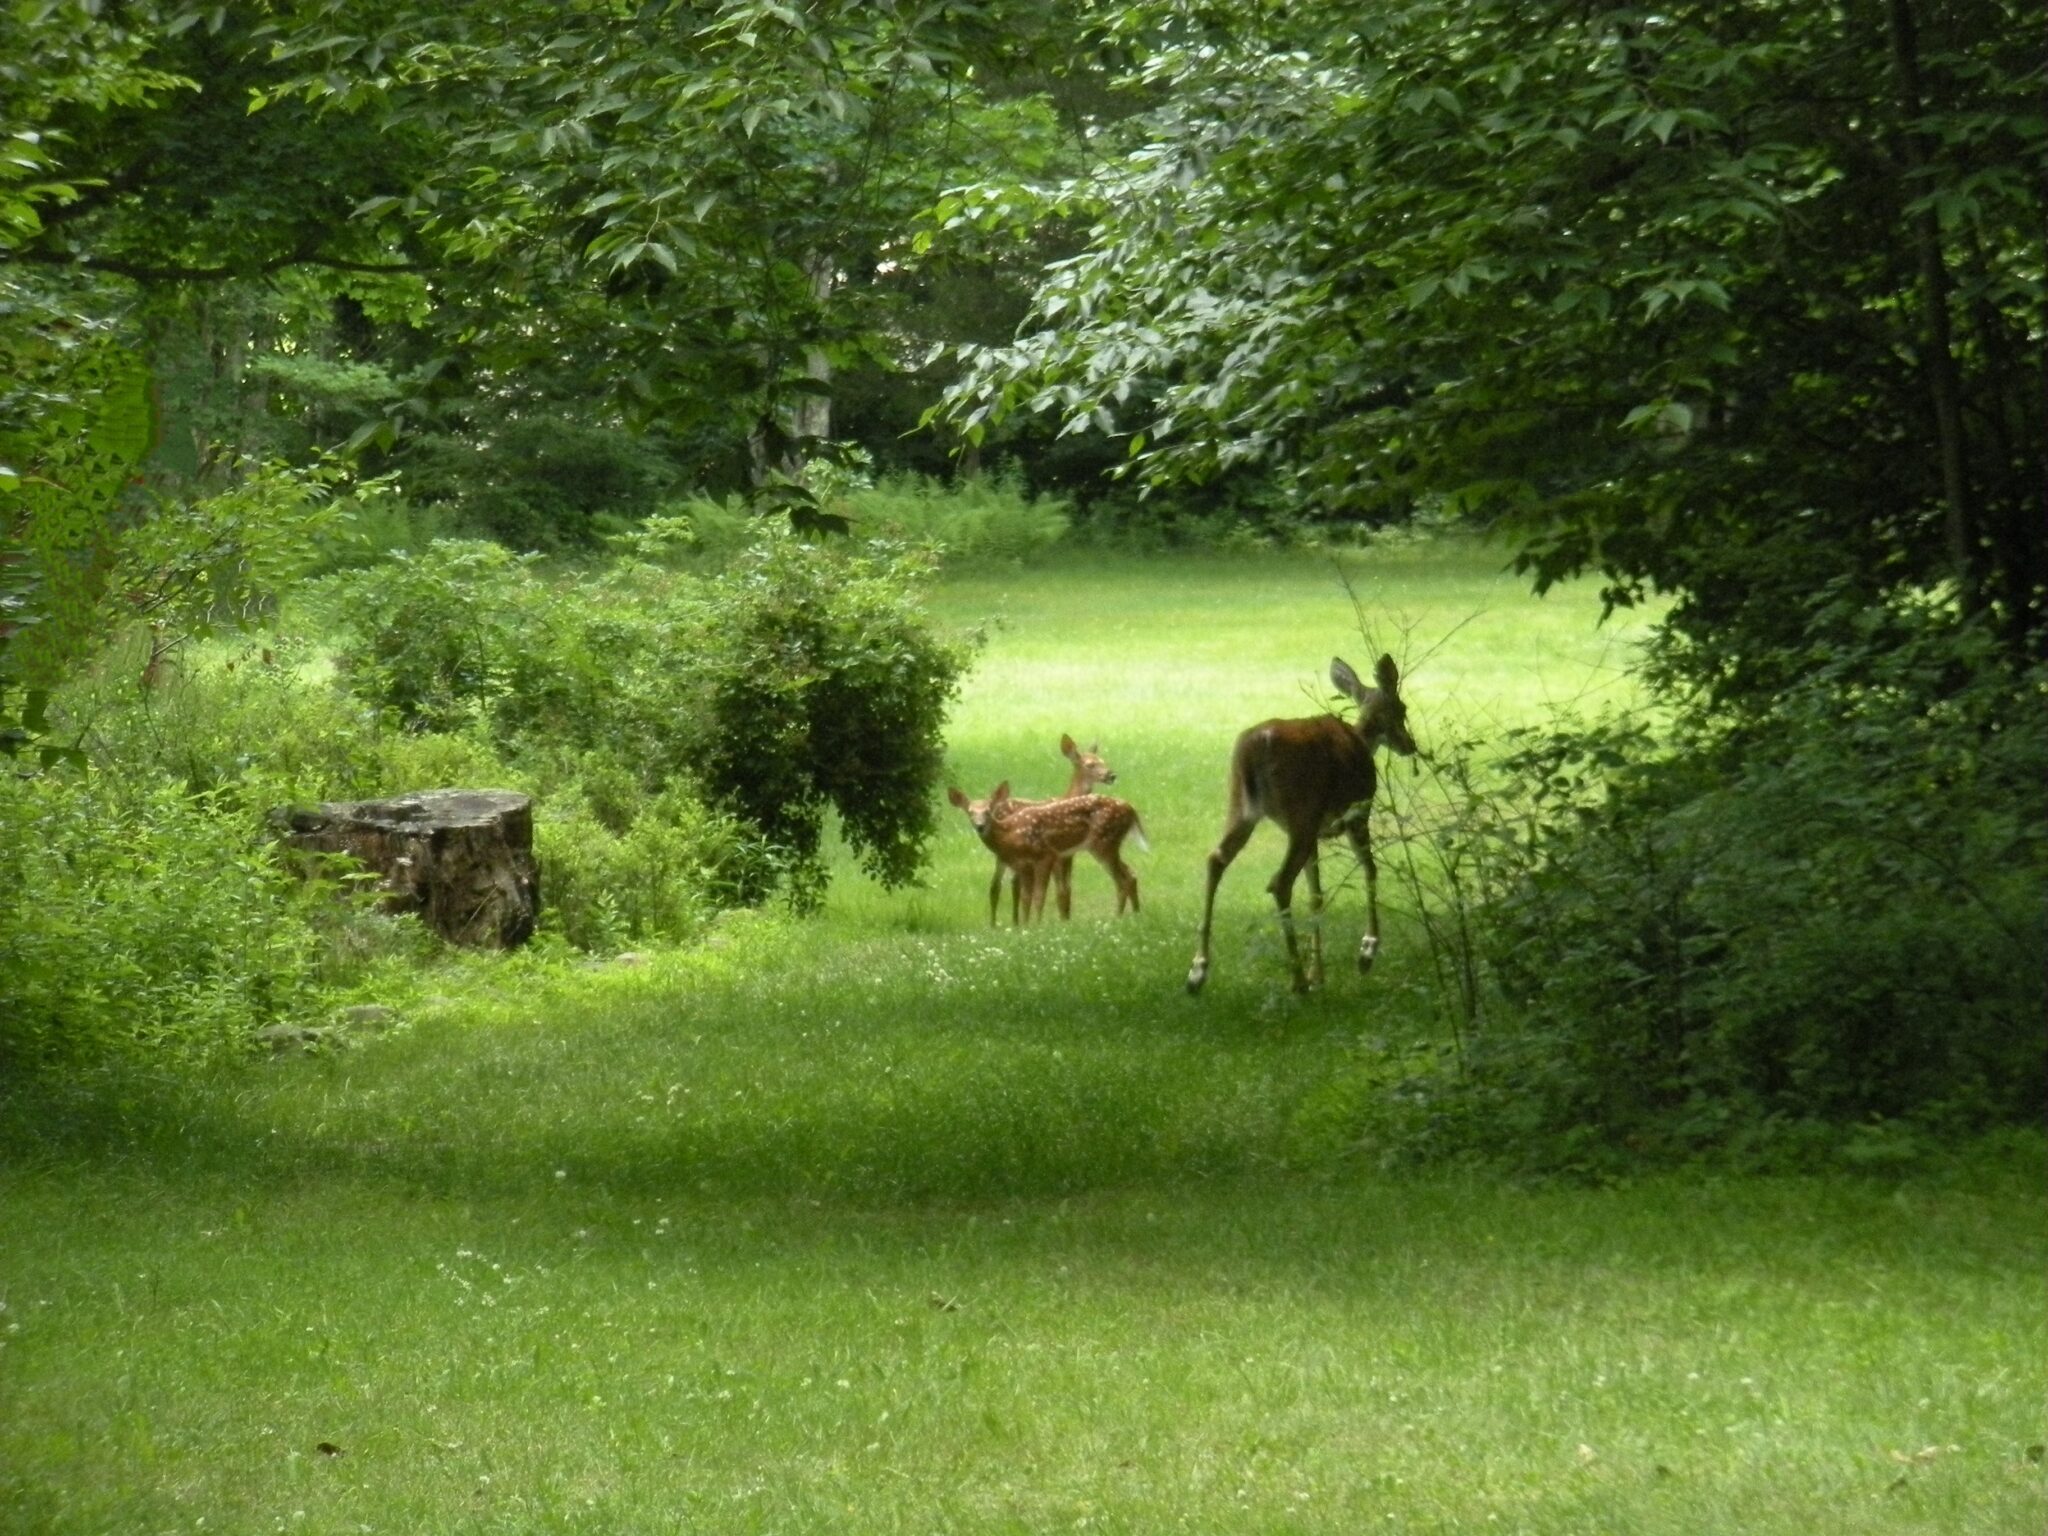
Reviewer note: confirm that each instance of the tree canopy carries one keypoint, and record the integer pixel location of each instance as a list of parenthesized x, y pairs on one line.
[(1740, 303), (1732, 301)]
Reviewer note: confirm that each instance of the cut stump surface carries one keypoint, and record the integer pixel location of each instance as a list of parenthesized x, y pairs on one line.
[(461, 858)]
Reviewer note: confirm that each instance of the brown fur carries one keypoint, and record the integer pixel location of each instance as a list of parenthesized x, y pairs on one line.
[(1311, 776)]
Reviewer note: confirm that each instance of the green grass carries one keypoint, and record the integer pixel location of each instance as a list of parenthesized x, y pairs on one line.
[(893, 1222), (1164, 664)]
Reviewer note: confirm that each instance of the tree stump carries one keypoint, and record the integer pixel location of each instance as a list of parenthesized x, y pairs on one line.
[(461, 858)]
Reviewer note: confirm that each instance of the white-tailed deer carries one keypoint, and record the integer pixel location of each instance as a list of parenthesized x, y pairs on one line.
[(1030, 840), (1311, 776), (1089, 771)]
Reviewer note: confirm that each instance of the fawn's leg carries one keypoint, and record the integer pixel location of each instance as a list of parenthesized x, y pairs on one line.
[(995, 895), (1040, 876), (1120, 872), (1064, 874)]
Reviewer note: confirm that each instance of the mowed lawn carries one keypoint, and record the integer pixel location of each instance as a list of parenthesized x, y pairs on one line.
[(892, 1222)]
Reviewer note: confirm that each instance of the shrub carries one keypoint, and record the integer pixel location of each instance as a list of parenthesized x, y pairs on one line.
[(138, 926), (803, 680), (1830, 910), (436, 638), (660, 879), (977, 518), (1760, 932), (826, 688), (246, 724), (539, 481)]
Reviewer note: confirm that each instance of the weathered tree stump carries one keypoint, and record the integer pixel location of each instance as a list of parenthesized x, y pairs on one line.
[(461, 858)]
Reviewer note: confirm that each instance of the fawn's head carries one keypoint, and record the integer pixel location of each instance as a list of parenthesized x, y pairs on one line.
[(981, 813), (1382, 716), (1089, 768)]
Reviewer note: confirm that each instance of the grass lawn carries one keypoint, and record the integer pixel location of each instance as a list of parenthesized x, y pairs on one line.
[(892, 1222)]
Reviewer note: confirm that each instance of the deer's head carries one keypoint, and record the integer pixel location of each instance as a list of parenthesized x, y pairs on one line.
[(1382, 717), (1088, 766), (981, 814)]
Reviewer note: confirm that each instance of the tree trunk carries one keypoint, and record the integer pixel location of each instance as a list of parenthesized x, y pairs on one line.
[(783, 441), (462, 859), (1960, 522)]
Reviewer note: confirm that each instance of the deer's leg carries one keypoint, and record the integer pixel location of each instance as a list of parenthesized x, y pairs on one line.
[(1034, 897), (1361, 844), (1301, 853), (1064, 874), (1234, 838), (995, 894), (1111, 859), (1127, 885), (1314, 870)]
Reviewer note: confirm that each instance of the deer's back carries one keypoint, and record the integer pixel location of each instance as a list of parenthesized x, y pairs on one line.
[(1290, 770)]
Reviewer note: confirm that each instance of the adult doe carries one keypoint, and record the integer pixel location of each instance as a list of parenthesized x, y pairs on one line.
[(1312, 777)]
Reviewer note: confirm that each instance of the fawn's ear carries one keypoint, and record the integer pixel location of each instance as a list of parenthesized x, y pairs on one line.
[(1067, 747), (954, 795), (1000, 793), (1345, 679), (1388, 675)]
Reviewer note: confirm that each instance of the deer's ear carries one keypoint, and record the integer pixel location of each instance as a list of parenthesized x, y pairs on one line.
[(1067, 747), (1344, 678), (1000, 793), (953, 794), (1388, 674)]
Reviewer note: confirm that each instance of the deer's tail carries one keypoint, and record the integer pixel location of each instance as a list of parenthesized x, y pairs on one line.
[(1138, 831), (1247, 800)]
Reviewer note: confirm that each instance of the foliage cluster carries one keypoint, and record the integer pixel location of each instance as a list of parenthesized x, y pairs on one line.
[(800, 681), (138, 924), (687, 737), (1718, 301), (974, 519), (1823, 912), (551, 480), (970, 520)]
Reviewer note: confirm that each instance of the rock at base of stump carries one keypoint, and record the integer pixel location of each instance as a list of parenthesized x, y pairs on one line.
[(461, 858)]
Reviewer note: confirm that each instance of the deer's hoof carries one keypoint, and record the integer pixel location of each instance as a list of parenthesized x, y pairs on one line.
[(1368, 951), (1197, 974)]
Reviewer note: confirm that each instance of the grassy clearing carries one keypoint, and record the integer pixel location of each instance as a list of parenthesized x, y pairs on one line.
[(1165, 664), (892, 1222)]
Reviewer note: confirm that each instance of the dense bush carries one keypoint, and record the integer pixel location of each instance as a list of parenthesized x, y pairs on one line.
[(975, 518), (538, 481), (245, 725), (802, 680), (1826, 911), (138, 925), (825, 688), (435, 636), (658, 879)]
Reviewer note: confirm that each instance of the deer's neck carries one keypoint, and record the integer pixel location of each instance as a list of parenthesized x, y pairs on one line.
[(1367, 728)]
